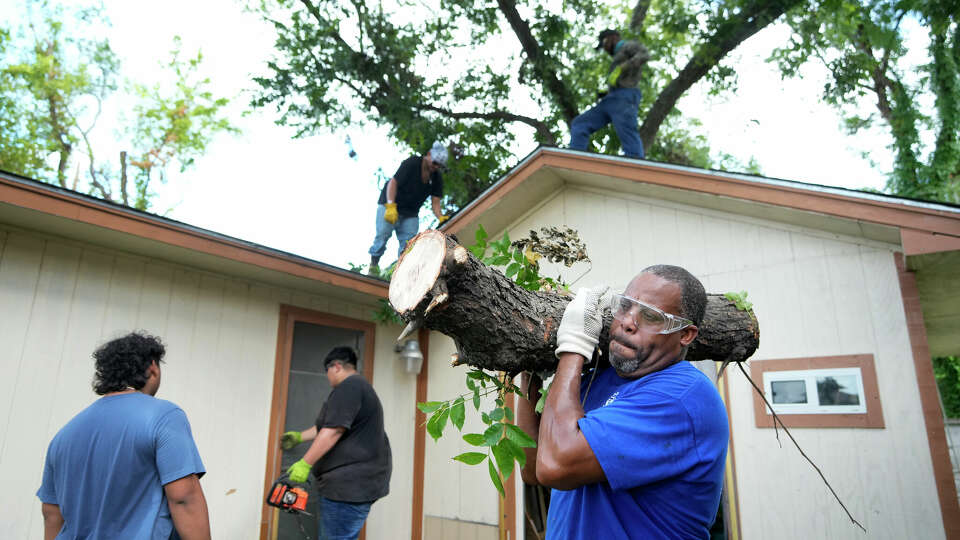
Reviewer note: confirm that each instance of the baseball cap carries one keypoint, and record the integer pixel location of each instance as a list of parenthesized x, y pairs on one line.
[(603, 36), (438, 153)]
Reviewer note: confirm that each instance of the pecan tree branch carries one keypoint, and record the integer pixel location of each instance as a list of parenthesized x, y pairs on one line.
[(730, 34), (639, 15), (551, 82)]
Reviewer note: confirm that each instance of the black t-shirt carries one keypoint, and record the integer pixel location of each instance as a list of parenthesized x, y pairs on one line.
[(357, 468), (411, 190)]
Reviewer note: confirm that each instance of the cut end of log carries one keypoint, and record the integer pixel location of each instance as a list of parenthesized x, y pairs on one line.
[(419, 270)]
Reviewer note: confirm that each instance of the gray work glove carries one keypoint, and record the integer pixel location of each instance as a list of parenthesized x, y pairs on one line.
[(582, 322)]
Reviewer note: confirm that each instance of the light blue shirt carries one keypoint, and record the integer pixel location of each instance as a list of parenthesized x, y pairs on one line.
[(107, 467)]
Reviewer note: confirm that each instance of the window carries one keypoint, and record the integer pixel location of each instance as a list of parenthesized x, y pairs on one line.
[(823, 391), (815, 391)]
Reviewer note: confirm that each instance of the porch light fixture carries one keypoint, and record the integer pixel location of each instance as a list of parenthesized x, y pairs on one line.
[(411, 355)]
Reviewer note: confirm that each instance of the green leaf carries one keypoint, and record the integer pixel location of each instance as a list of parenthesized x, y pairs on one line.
[(497, 414), (495, 478), (476, 398), (470, 383), (542, 401), (481, 235), (493, 434), (504, 457), (457, 413), (485, 417), (428, 407), (475, 374), (471, 458), (500, 260), (474, 439), (437, 422), (509, 412), (515, 449), (517, 435), (512, 269)]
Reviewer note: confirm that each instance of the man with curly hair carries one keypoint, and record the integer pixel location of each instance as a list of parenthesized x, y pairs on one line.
[(126, 466)]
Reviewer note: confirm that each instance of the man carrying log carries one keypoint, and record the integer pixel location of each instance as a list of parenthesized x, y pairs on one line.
[(636, 451)]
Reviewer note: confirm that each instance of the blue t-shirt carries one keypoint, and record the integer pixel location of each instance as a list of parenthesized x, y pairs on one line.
[(107, 467), (661, 441)]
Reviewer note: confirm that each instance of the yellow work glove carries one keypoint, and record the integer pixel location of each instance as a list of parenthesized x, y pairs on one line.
[(290, 439), (299, 471), (391, 214), (613, 76), (442, 218)]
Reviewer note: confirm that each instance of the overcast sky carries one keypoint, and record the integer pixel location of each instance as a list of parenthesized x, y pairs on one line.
[(308, 197)]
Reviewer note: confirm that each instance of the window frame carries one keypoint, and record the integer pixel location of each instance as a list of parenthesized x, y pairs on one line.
[(870, 413)]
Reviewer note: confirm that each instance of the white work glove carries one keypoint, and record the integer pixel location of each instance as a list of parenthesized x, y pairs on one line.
[(582, 322)]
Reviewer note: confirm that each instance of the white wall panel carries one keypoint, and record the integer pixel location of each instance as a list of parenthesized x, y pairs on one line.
[(62, 299)]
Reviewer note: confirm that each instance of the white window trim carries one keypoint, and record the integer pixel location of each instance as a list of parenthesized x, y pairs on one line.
[(809, 376)]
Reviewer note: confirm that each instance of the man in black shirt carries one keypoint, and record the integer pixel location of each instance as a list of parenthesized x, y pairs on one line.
[(350, 454), (400, 200)]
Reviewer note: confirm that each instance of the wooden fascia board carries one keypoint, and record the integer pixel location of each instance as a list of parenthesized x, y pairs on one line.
[(874, 211), (128, 222)]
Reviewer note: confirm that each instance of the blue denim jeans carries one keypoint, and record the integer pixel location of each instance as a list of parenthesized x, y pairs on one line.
[(340, 520), (405, 227), (619, 107)]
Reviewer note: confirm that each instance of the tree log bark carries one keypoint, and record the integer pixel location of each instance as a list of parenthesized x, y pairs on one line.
[(498, 325)]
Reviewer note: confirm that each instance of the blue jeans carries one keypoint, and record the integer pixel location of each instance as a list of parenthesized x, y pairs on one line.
[(340, 520), (618, 107), (405, 227)]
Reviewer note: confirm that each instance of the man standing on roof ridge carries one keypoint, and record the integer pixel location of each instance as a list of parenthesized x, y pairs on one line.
[(401, 198), (620, 100)]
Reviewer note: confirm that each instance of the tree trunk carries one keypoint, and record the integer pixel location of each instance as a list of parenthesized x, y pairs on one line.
[(498, 325)]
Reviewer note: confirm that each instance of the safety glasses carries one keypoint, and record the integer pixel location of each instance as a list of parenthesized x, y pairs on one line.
[(645, 316)]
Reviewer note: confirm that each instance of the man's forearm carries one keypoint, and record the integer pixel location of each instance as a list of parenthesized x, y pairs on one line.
[(392, 190), (188, 508), (309, 434), (564, 457), (52, 520), (558, 425), (324, 441)]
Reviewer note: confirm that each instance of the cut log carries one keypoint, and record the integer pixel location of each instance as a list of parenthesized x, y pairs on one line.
[(498, 325)]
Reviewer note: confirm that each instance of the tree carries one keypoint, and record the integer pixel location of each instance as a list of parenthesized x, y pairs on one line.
[(868, 53), (53, 90), (439, 71)]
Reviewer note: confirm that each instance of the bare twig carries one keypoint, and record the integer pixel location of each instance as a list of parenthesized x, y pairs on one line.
[(802, 453)]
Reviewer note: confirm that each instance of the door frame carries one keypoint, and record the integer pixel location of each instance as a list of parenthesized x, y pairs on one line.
[(289, 315)]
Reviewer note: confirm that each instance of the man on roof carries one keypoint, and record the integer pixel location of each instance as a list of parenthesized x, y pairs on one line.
[(620, 98), (400, 200)]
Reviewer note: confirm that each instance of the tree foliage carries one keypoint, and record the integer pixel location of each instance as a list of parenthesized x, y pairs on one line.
[(488, 76), (870, 54), (53, 87)]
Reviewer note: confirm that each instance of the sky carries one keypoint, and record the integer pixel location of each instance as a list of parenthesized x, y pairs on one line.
[(308, 197)]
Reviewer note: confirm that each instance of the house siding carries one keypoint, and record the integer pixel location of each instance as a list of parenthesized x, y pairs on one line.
[(61, 299)]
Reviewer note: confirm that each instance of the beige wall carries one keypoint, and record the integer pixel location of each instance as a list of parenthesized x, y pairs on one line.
[(452, 490), (60, 299), (815, 294)]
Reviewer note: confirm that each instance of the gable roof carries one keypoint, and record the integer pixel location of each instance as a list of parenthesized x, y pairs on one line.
[(918, 226), (50, 209)]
